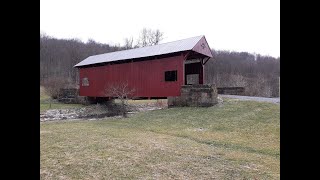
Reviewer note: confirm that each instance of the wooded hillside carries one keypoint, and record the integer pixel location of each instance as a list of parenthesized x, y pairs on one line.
[(258, 74)]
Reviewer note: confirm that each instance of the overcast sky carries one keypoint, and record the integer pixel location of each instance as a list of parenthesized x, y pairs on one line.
[(239, 25)]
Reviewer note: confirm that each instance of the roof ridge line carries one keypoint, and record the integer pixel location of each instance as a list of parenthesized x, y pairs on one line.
[(164, 48), (147, 46), (179, 40)]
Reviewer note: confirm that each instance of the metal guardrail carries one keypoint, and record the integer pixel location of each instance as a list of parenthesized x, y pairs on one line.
[(231, 90), (68, 95)]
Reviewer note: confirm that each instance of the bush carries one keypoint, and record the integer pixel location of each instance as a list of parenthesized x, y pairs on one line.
[(54, 84)]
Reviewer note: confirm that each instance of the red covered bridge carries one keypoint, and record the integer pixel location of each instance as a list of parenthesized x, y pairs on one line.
[(156, 71)]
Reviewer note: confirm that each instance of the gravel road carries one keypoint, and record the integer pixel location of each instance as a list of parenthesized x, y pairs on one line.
[(252, 98)]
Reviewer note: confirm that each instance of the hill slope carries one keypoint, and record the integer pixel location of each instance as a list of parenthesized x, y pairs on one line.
[(236, 140)]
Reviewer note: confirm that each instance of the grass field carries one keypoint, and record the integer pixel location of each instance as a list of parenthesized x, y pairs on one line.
[(237, 140)]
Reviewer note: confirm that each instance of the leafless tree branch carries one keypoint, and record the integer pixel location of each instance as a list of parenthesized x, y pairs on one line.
[(122, 92)]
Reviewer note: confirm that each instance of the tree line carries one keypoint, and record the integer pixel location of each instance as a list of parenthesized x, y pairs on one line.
[(58, 56), (258, 74)]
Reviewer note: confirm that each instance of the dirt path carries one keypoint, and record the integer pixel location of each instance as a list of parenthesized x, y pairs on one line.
[(252, 98)]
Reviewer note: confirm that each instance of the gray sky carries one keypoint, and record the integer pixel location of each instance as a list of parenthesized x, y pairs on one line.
[(239, 25)]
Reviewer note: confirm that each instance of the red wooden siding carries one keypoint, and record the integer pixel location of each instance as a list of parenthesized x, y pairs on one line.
[(147, 77)]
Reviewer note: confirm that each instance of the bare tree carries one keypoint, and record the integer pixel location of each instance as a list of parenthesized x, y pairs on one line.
[(122, 92), (149, 37), (143, 38), (155, 37), (128, 43), (52, 87)]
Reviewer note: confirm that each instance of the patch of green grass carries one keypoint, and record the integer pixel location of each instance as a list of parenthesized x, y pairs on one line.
[(235, 140), (45, 102)]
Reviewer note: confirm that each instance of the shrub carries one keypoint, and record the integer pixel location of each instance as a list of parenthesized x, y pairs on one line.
[(54, 84)]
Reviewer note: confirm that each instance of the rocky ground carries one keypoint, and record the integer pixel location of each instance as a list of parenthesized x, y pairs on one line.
[(95, 112)]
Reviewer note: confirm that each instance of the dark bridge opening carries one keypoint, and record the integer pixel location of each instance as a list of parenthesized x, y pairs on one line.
[(193, 73)]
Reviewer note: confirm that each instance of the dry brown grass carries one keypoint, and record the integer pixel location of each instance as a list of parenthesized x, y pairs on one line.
[(238, 140)]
